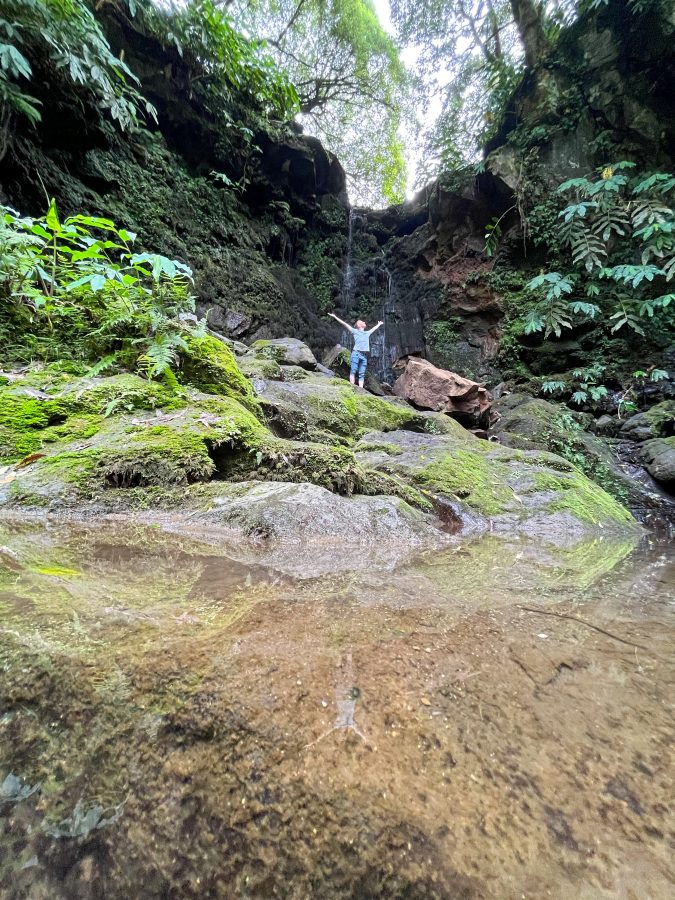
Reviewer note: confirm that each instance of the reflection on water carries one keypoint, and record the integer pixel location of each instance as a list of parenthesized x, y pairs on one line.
[(493, 719)]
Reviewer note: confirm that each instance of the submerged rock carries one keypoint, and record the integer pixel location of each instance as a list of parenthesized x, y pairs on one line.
[(428, 387)]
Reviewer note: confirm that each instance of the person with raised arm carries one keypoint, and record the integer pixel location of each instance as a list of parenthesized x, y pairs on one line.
[(359, 359)]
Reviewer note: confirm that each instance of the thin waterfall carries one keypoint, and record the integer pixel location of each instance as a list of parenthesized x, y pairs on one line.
[(380, 342), (381, 361), (348, 278)]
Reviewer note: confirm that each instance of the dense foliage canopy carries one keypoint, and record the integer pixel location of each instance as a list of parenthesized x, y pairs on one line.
[(471, 55), (67, 35), (353, 89)]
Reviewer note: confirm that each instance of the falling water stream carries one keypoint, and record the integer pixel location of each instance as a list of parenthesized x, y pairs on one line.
[(491, 720), (380, 364)]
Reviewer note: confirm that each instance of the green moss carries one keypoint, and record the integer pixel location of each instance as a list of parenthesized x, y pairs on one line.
[(117, 394), (70, 409), (373, 447), (268, 350), (224, 418), (22, 423), (587, 501), (73, 429), (391, 485), (67, 476), (260, 366), (294, 373), (278, 460), (59, 572), (469, 477), (160, 456), (352, 414), (209, 365), (661, 414)]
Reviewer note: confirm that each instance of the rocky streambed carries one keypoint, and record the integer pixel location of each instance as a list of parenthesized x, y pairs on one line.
[(266, 635), (179, 718)]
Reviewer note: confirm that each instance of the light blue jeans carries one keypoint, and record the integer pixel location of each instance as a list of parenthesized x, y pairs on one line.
[(359, 363)]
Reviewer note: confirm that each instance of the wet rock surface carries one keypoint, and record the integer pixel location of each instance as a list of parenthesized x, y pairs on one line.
[(487, 721), (95, 445), (522, 421), (659, 459), (514, 490), (304, 529)]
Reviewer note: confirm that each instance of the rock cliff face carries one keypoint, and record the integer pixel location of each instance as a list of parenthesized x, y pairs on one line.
[(240, 218), (273, 256), (418, 267)]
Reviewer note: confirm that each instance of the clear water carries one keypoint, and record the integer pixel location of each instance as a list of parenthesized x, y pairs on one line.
[(177, 722)]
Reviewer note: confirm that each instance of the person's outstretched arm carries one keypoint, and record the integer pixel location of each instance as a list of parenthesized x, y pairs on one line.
[(375, 327), (333, 316)]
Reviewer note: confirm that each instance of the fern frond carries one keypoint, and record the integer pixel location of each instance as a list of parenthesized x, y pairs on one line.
[(102, 365), (589, 251), (611, 221), (647, 212)]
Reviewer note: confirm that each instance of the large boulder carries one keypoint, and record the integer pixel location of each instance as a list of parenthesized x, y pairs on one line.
[(524, 422), (288, 351), (271, 520), (428, 387), (658, 421), (507, 490), (659, 460), (329, 410)]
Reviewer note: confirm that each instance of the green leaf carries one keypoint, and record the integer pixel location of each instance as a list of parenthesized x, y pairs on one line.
[(534, 321), (659, 375), (92, 222), (659, 180), (97, 282), (598, 391), (14, 62), (581, 184), (52, 218), (552, 387), (586, 309)]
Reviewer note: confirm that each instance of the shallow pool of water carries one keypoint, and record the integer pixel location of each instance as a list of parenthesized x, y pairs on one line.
[(491, 720)]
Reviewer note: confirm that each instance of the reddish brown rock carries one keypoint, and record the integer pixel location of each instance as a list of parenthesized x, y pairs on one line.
[(427, 387)]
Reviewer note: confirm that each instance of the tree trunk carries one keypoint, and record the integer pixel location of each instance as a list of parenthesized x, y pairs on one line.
[(529, 18)]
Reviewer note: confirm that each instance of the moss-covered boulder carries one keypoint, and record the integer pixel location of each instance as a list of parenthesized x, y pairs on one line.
[(528, 423), (160, 449), (123, 443), (328, 410), (532, 491), (658, 421), (64, 409), (287, 351), (209, 365)]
